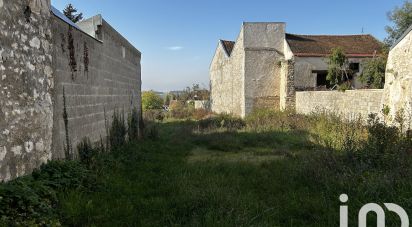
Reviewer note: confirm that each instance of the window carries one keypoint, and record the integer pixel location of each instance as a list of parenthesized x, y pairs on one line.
[(354, 67), (321, 78)]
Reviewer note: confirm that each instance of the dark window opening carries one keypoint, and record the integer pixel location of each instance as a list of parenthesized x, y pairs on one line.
[(354, 67), (321, 78)]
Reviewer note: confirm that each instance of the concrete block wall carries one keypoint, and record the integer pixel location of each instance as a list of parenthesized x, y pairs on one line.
[(348, 104), (26, 86), (96, 77)]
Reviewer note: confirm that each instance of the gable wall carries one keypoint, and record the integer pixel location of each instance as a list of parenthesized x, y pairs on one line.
[(227, 80)]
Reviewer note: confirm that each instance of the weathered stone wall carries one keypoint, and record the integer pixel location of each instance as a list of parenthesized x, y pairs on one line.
[(41, 55), (351, 103), (250, 77), (93, 79), (227, 80), (398, 81), (26, 85), (264, 45), (287, 85)]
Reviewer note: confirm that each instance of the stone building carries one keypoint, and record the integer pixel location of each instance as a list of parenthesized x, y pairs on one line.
[(51, 68), (266, 66)]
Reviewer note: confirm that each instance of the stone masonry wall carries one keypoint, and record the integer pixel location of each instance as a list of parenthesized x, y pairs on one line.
[(227, 80), (398, 81), (94, 78), (26, 86), (264, 46), (348, 104), (287, 85)]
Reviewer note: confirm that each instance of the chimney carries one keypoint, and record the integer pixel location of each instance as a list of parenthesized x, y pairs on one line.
[(266, 35)]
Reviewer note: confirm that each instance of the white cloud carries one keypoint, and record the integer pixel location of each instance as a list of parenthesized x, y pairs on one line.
[(175, 48)]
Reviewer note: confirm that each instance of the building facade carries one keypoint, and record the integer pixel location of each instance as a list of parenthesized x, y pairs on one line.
[(266, 66)]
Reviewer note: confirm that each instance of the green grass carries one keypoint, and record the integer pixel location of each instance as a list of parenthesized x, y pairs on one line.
[(228, 179)]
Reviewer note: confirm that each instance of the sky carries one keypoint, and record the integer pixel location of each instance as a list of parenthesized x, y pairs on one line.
[(178, 38)]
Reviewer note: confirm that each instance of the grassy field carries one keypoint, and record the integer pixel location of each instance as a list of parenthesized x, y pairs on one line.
[(272, 169), (222, 178)]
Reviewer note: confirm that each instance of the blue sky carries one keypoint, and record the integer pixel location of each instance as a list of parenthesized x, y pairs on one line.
[(178, 38)]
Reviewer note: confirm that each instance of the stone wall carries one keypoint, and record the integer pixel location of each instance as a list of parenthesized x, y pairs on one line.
[(287, 85), (249, 78), (227, 79), (96, 78), (398, 81), (26, 114), (264, 45), (351, 103), (42, 58)]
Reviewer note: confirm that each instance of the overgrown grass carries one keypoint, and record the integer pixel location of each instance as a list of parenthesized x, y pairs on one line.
[(277, 169)]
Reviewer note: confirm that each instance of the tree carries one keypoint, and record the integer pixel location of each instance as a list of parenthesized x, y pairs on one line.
[(151, 101), (338, 70), (70, 12), (401, 17), (373, 73)]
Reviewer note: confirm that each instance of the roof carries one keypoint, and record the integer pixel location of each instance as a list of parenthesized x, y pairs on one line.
[(228, 46), (322, 45)]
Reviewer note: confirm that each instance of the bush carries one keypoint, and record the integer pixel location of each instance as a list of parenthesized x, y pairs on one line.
[(32, 200), (117, 131), (333, 133), (154, 115), (87, 153), (133, 123), (151, 131), (180, 110), (269, 119), (151, 101), (199, 114), (222, 121)]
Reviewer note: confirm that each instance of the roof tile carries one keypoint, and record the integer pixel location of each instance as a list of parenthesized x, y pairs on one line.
[(322, 45)]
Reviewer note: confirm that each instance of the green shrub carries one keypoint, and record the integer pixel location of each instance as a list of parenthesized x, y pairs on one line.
[(334, 133), (32, 200), (151, 131), (270, 119), (222, 121), (154, 115), (180, 110), (151, 101), (117, 131), (199, 114), (87, 153), (133, 123)]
